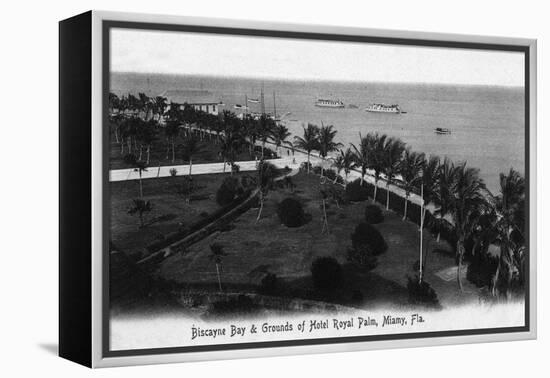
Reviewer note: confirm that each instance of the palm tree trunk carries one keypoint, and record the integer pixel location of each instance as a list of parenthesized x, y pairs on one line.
[(494, 280), (190, 165), (460, 251), (140, 186), (388, 196), (375, 190), (406, 203), (308, 163), (219, 278), (148, 153), (173, 151), (261, 206)]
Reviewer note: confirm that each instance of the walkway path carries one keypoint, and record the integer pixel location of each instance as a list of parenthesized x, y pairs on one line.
[(292, 158)]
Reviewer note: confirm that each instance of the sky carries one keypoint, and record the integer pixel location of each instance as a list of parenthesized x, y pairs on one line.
[(184, 53)]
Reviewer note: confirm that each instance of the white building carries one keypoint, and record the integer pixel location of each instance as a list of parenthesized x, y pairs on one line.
[(197, 98)]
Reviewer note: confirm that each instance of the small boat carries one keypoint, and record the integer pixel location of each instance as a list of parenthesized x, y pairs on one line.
[(324, 103), (239, 106), (383, 108), (254, 100), (442, 130)]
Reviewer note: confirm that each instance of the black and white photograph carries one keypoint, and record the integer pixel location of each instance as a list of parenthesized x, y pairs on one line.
[(275, 189), (268, 189)]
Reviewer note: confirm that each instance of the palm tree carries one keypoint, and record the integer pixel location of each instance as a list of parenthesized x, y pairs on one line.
[(510, 207), (216, 254), (230, 146), (467, 197), (140, 207), (393, 150), (410, 167), (378, 159), (280, 135), (144, 104), (265, 179), (191, 146), (430, 177), (139, 166), (266, 126), (363, 156), (171, 130), (344, 162), (308, 142), (326, 142), (443, 193), (160, 105), (149, 136)]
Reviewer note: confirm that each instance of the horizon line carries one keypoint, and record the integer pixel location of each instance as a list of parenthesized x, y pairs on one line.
[(273, 78)]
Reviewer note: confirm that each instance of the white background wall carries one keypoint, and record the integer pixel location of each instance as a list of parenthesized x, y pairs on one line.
[(29, 190)]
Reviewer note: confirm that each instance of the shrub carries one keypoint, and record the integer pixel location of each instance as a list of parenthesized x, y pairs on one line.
[(235, 168), (326, 273), (362, 256), (356, 192), (481, 269), (373, 214), (330, 174), (291, 212), (366, 234), (229, 191), (317, 170), (269, 284), (421, 292), (173, 172)]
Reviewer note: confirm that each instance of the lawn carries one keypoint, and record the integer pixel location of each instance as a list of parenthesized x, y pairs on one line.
[(170, 213), (255, 248)]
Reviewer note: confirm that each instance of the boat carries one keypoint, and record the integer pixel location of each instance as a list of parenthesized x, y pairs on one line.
[(239, 106), (254, 100), (383, 108), (324, 103), (442, 130)]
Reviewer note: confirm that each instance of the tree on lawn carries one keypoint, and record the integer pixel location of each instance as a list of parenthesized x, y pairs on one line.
[(443, 194), (308, 142), (191, 146), (364, 154), (171, 130), (344, 162), (467, 196), (139, 166), (265, 179), (217, 253), (266, 126), (326, 142), (510, 207), (280, 135), (140, 207), (393, 150), (410, 168), (160, 105)]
